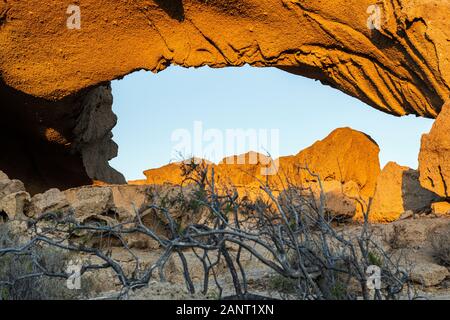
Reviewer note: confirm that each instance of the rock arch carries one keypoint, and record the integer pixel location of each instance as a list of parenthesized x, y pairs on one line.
[(398, 64)]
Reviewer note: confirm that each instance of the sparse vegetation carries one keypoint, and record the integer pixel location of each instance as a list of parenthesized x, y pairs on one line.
[(294, 238), (36, 272)]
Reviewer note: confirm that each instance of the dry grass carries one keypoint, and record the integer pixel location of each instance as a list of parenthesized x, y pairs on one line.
[(21, 275)]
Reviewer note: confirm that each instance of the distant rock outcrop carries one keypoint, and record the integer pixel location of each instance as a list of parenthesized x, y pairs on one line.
[(346, 162), (344, 155), (434, 156)]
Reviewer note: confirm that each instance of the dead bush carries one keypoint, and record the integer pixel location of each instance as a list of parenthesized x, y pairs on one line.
[(290, 235), (26, 276)]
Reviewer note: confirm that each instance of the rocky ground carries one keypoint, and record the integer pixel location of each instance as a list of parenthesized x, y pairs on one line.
[(414, 240)]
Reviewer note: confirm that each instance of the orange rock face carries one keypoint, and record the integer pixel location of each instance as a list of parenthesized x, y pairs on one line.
[(344, 157), (434, 157), (389, 54), (55, 63), (398, 190)]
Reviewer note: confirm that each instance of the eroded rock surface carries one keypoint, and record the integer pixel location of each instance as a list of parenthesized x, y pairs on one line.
[(434, 156), (344, 155), (60, 144), (13, 198), (390, 54), (346, 162), (56, 106)]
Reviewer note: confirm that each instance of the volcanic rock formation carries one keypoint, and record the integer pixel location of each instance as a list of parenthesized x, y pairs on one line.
[(58, 144), (345, 162), (344, 155), (398, 191), (434, 157), (389, 54)]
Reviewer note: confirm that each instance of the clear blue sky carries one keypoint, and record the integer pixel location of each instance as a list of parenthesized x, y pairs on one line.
[(151, 107)]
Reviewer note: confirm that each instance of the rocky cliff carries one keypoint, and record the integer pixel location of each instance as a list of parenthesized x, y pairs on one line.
[(58, 144), (56, 103), (57, 109), (389, 54), (344, 167)]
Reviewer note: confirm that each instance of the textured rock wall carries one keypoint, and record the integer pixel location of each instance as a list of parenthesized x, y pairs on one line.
[(57, 144), (346, 162), (434, 156), (400, 67)]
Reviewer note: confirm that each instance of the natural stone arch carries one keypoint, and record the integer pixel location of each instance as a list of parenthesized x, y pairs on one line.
[(401, 67)]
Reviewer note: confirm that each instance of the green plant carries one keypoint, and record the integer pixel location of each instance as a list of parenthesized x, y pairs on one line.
[(338, 291), (278, 283), (375, 259)]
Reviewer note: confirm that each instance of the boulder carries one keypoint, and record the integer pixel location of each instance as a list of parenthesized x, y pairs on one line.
[(398, 190), (344, 155), (340, 199), (52, 200), (3, 176), (428, 274), (440, 208), (13, 205), (10, 186), (129, 199), (434, 156), (13, 198), (88, 202), (121, 203)]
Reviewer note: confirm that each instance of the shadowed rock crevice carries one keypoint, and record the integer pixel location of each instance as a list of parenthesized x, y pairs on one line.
[(415, 197), (398, 191), (174, 8), (55, 144)]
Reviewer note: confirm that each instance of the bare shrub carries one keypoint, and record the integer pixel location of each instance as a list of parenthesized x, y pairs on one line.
[(291, 235)]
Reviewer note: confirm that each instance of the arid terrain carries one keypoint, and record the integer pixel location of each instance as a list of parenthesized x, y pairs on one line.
[(325, 223)]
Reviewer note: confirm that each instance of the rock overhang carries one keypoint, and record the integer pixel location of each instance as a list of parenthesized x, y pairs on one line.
[(399, 65)]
